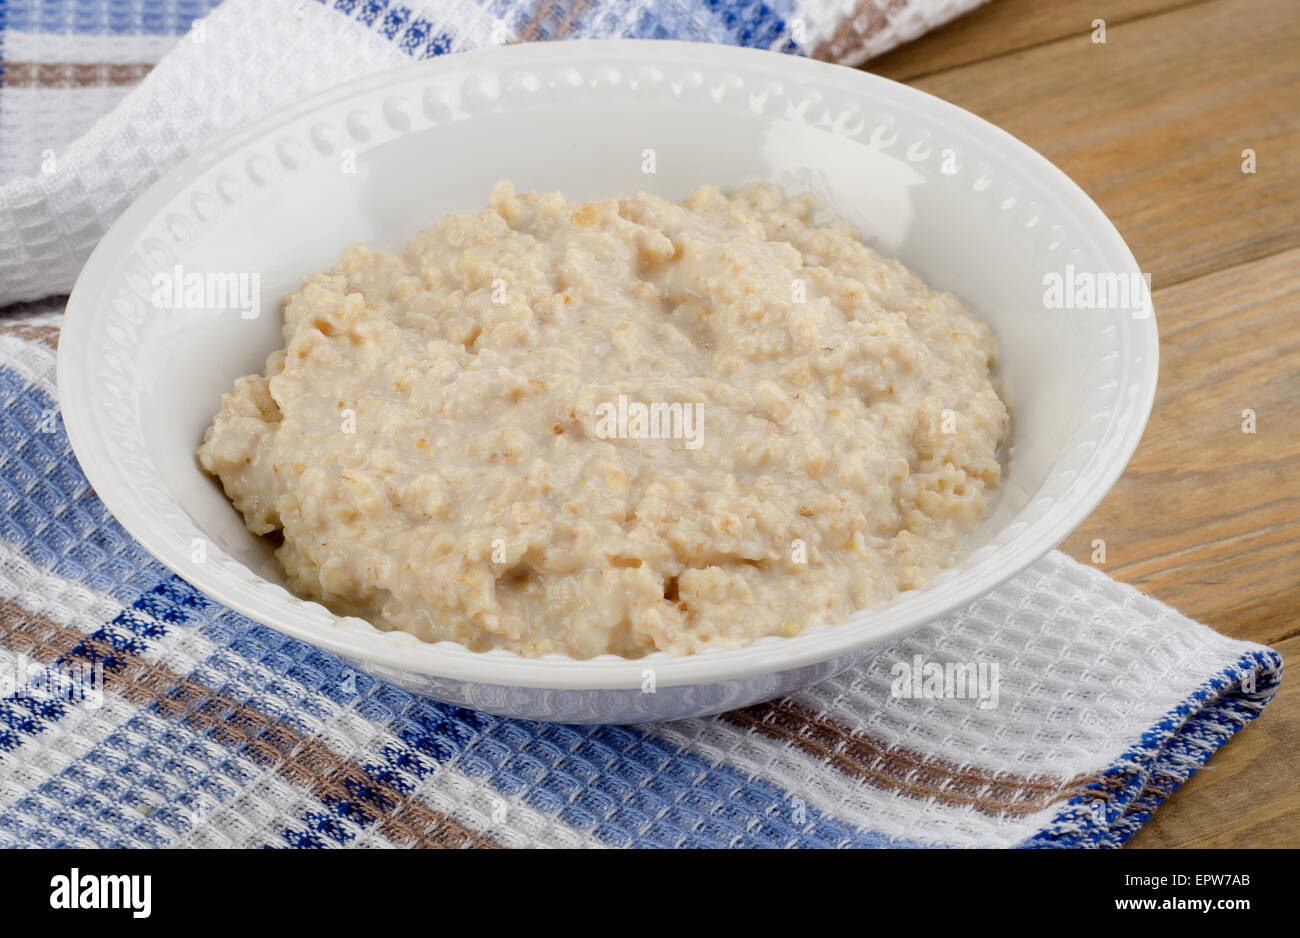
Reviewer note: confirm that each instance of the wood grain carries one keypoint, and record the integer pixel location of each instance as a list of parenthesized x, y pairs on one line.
[(1007, 26), (1207, 517), (1153, 124)]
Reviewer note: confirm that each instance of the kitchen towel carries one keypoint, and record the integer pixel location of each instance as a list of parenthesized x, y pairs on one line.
[(1058, 710), (248, 57)]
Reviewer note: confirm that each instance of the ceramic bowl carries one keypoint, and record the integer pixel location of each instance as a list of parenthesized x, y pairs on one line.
[(965, 205)]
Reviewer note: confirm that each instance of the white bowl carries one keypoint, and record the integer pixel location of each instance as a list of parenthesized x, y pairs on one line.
[(965, 205)]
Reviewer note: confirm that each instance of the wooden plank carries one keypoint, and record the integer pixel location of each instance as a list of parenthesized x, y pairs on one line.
[(1153, 124), (1206, 517), (1003, 26), (1246, 796)]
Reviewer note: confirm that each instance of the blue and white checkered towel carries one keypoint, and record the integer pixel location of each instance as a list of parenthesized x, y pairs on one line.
[(204, 728)]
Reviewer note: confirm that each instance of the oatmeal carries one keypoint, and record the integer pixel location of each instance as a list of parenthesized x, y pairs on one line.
[(475, 439)]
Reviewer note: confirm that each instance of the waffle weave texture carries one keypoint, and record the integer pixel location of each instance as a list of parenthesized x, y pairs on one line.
[(213, 730)]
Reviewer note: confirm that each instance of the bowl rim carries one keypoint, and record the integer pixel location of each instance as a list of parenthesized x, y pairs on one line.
[(769, 655)]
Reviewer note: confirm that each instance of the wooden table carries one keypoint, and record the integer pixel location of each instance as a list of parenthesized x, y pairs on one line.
[(1153, 124)]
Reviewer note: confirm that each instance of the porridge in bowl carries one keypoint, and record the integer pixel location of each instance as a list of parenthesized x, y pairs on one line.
[(615, 427)]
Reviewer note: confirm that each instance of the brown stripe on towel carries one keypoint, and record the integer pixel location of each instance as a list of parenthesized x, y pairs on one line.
[(71, 74), (302, 760), (576, 8), (895, 769), (47, 334), (869, 17), (538, 26)]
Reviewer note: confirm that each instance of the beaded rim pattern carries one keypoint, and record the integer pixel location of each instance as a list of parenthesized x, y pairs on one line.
[(109, 312)]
